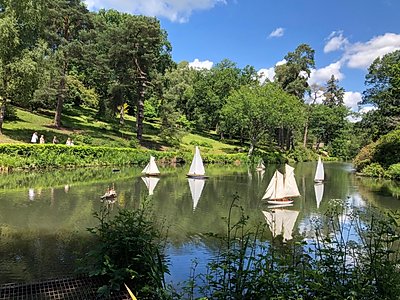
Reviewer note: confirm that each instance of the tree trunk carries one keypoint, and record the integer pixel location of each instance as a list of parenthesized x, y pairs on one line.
[(140, 110), (305, 136), (2, 114), (60, 97), (251, 149), (122, 115)]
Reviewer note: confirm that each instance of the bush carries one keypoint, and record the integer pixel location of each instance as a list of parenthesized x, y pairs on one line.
[(387, 150), (394, 171), (364, 157), (374, 170), (128, 249)]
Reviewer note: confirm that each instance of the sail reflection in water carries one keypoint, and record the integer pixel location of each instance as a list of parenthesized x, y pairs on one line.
[(196, 188), (150, 183), (281, 222), (319, 192)]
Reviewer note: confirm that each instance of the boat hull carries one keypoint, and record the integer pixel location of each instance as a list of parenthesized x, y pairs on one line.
[(196, 176), (152, 174), (280, 202)]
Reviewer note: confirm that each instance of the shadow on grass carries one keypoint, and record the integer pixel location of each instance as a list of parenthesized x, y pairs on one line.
[(25, 135)]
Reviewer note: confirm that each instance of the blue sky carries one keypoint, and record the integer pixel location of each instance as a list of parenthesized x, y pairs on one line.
[(346, 35)]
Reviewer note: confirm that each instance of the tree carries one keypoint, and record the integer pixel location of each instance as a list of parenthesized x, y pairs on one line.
[(383, 91), (64, 23), (256, 111), (292, 76), (333, 94), (9, 37), (137, 49)]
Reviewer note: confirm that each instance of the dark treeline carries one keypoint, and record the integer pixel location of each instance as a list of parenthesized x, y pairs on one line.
[(56, 53)]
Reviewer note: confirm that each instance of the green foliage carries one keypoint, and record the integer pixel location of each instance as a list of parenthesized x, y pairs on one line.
[(364, 157), (201, 144), (394, 171), (334, 266), (373, 170), (301, 154), (383, 90), (387, 150), (128, 249)]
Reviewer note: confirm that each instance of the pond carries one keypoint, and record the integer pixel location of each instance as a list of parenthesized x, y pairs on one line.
[(44, 215)]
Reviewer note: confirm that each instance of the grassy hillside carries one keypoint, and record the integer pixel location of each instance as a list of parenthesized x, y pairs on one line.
[(85, 129)]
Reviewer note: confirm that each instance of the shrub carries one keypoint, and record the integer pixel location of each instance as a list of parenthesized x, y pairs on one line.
[(128, 249), (374, 170), (364, 157), (394, 171)]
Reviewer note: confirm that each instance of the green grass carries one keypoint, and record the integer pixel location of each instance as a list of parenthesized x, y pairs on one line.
[(83, 126)]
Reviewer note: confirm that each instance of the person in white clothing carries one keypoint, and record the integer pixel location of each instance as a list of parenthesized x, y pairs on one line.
[(35, 137)]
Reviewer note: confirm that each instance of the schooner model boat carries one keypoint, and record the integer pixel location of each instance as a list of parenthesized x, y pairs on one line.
[(282, 188), (197, 168), (151, 168), (319, 173)]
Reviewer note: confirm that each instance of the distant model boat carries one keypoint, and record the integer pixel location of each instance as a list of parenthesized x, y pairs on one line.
[(319, 173), (150, 182), (151, 168), (319, 192), (196, 186), (197, 168), (260, 165), (281, 222), (282, 188), (110, 194)]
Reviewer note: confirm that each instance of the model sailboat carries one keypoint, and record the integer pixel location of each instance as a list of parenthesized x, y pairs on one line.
[(196, 188), (197, 168), (319, 174), (281, 222), (151, 168), (282, 188)]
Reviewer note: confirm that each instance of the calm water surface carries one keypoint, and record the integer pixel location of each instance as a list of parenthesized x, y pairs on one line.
[(44, 216)]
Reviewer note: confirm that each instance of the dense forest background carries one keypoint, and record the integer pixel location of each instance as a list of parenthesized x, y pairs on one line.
[(56, 54)]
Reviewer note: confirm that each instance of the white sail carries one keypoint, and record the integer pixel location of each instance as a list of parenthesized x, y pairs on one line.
[(319, 192), (196, 187), (151, 168), (281, 222), (319, 174), (197, 168), (151, 183), (275, 189), (291, 189)]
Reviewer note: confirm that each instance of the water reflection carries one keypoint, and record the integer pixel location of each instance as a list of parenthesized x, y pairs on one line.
[(41, 235), (196, 188), (319, 193), (281, 222), (151, 183)]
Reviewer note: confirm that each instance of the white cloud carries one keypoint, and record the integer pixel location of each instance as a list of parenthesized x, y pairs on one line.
[(278, 32), (361, 55), (266, 73), (321, 76), (174, 10), (197, 64), (351, 100), (270, 72), (336, 41)]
